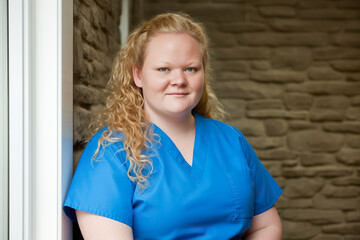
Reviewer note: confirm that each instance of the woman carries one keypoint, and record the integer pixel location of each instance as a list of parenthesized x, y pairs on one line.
[(160, 166)]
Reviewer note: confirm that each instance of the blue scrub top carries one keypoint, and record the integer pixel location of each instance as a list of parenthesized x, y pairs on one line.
[(215, 198)]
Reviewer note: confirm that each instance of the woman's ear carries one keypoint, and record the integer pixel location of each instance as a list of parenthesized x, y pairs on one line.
[(137, 76)]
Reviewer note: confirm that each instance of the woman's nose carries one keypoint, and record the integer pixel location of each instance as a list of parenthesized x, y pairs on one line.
[(178, 78)]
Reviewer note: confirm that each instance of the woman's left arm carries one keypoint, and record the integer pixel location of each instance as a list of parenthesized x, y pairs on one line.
[(266, 225)]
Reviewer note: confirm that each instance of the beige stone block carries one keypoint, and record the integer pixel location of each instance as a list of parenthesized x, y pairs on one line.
[(232, 65), (324, 74), (281, 181), (99, 67), (260, 65), (275, 127), (296, 172), (274, 2), (314, 4), (355, 101), (331, 191), (331, 53), (239, 27), (346, 65), (296, 25), (353, 26), (81, 124), (86, 95), (285, 202), (353, 76), (277, 11), (353, 114), (300, 125), (277, 76), (327, 13), (336, 88), (315, 141), (115, 8), (315, 216), (277, 114), (87, 72), (249, 127), (347, 181), (88, 34), (90, 53), (310, 159), (327, 237), (353, 216), (76, 10), (246, 90), (355, 237), (351, 4), (219, 13), (336, 203), (274, 168), (113, 47), (294, 58), (111, 27), (302, 187), (342, 127), (283, 39), (105, 4), (266, 143), (234, 107), (290, 163), (331, 172), (241, 53), (332, 102), (299, 230), (349, 157), (353, 141), (101, 18), (298, 101), (318, 115), (347, 39), (85, 12), (219, 39), (348, 228), (77, 52), (94, 11), (277, 154), (100, 40), (232, 76), (265, 104)]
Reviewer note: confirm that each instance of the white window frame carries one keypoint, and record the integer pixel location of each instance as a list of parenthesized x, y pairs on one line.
[(40, 117)]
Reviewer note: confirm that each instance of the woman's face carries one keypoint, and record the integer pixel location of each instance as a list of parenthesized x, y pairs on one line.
[(172, 76)]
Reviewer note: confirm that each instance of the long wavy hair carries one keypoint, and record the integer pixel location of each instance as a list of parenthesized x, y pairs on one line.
[(124, 112)]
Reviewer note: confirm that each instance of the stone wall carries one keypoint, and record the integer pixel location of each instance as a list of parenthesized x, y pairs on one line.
[(96, 41), (288, 71)]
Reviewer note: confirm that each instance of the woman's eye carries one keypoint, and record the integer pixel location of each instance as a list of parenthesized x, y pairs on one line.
[(163, 69), (191, 69)]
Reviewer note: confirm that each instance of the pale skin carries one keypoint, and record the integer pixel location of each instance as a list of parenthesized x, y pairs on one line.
[(172, 80)]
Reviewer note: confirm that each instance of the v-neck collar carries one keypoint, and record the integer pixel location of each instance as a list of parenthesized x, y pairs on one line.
[(199, 150)]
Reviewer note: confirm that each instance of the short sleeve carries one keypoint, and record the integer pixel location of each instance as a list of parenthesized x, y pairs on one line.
[(101, 186), (267, 191)]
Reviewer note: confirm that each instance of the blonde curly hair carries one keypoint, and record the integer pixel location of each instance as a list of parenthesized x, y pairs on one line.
[(124, 112)]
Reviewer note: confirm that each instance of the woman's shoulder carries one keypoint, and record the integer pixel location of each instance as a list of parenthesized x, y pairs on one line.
[(107, 135), (104, 140)]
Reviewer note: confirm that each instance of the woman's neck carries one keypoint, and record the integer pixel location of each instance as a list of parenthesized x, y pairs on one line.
[(175, 125)]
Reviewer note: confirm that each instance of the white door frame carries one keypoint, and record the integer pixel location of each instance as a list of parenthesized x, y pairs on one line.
[(4, 159), (40, 117)]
